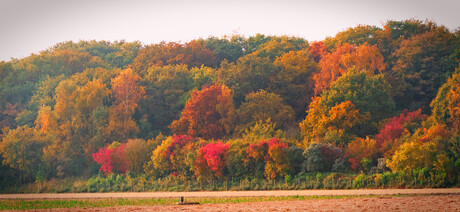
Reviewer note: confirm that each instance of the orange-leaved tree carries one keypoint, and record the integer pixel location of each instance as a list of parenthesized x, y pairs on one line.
[(317, 50), (345, 57), (127, 94), (209, 113), (361, 152)]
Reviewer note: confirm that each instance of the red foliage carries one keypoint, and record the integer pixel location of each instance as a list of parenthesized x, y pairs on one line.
[(179, 141), (273, 154), (111, 160), (262, 149), (395, 127), (258, 151), (359, 149), (213, 156), (102, 157)]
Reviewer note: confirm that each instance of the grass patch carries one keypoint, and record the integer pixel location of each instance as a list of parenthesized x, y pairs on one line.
[(80, 203), (115, 202)]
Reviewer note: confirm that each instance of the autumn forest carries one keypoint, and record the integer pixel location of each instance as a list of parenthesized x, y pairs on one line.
[(370, 107)]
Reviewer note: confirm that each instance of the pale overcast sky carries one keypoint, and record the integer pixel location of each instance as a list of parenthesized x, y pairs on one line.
[(29, 26)]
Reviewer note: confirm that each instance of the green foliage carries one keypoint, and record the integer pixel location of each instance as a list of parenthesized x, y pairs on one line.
[(22, 149), (118, 54), (263, 106), (321, 157), (262, 130), (421, 68), (354, 35), (370, 94)]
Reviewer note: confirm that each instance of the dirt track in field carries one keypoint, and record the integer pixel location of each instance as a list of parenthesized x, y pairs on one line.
[(445, 191)]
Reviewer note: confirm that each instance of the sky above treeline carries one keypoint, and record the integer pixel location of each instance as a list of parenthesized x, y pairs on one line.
[(29, 26)]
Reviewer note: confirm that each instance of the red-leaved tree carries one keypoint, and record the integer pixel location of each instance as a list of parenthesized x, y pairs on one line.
[(212, 157), (406, 123), (273, 154), (112, 160)]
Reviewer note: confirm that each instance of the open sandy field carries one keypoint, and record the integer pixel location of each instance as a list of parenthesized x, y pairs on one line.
[(431, 200), (419, 203), (356, 192)]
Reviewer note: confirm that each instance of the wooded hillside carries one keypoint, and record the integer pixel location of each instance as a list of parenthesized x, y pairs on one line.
[(370, 99)]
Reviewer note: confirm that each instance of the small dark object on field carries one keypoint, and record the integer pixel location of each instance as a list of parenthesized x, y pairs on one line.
[(182, 202)]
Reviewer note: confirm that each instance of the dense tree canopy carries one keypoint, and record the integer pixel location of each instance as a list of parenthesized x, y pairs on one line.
[(369, 99)]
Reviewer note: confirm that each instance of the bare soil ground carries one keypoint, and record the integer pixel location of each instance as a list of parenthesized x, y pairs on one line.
[(432, 200), (356, 192), (415, 203)]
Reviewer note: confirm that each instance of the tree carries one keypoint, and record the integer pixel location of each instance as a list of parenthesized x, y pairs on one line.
[(420, 68), (212, 156), (209, 113), (112, 158), (421, 149), (228, 48), (167, 89), (321, 157), (413, 155), (262, 130), (118, 54), (196, 55), (317, 50), (394, 32), (127, 94), (343, 59), (174, 157), (193, 54), (8, 115), (447, 102), (137, 153), (237, 164), (250, 74), (75, 122), (354, 35), (22, 149), (278, 165), (361, 149), (261, 106), (268, 157), (394, 128), (369, 93), (294, 79), (278, 46), (344, 116), (315, 123), (334, 125)]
